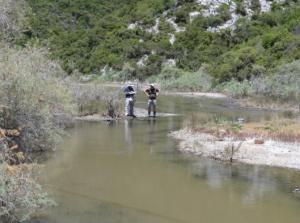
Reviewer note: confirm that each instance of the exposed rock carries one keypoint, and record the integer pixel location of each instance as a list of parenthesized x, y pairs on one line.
[(297, 190), (272, 153), (172, 38), (175, 26), (265, 6), (247, 6), (143, 61), (154, 29), (170, 62), (211, 9), (194, 15), (135, 25)]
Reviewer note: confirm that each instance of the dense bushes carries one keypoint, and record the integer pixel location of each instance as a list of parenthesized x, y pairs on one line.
[(30, 99), (89, 35), (93, 98), (20, 194), (34, 96), (175, 79), (12, 18), (284, 84)]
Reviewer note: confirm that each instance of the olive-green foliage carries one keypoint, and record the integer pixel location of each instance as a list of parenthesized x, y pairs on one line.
[(20, 194), (87, 35), (94, 98), (235, 88), (32, 90), (176, 79), (284, 84), (12, 18)]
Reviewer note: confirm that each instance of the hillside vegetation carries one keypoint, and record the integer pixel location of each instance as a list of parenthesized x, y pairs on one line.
[(234, 39)]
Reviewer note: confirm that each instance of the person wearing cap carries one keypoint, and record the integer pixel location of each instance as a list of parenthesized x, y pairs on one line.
[(129, 100), (152, 94)]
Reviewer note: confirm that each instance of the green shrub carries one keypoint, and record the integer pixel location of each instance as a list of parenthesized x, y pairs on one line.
[(176, 79), (284, 84), (236, 64), (32, 89), (12, 18), (255, 5), (240, 9), (224, 12), (93, 98), (20, 194), (236, 89)]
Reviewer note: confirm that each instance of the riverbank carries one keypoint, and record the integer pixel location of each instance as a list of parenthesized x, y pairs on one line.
[(257, 102), (250, 151), (268, 104), (273, 143)]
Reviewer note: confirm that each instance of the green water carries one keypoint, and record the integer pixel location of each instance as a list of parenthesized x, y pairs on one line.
[(130, 171)]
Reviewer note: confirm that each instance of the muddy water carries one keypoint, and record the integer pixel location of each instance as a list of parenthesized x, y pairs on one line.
[(130, 171)]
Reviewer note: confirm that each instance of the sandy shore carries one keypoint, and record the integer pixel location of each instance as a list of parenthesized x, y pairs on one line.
[(271, 153), (197, 94)]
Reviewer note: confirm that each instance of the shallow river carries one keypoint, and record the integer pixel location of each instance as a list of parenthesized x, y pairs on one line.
[(131, 172)]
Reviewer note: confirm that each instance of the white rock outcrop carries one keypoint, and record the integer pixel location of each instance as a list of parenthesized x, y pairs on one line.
[(271, 153), (172, 38), (143, 61), (154, 29), (170, 62), (211, 8), (175, 26)]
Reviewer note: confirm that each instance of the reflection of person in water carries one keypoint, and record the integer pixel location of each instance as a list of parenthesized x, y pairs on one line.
[(128, 136), (151, 132)]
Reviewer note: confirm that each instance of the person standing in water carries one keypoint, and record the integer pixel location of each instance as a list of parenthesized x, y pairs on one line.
[(129, 100), (152, 94)]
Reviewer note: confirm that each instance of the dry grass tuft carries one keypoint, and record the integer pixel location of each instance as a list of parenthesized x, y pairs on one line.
[(278, 129)]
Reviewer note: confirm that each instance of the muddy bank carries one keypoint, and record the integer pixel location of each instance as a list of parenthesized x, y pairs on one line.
[(270, 152)]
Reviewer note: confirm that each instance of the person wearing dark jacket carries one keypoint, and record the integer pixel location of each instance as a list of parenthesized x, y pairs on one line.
[(129, 100), (152, 94)]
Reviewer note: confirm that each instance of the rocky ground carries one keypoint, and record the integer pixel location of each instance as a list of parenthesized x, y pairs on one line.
[(249, 150)]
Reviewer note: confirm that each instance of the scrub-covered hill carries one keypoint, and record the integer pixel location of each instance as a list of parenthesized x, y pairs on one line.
[(229, 39)]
